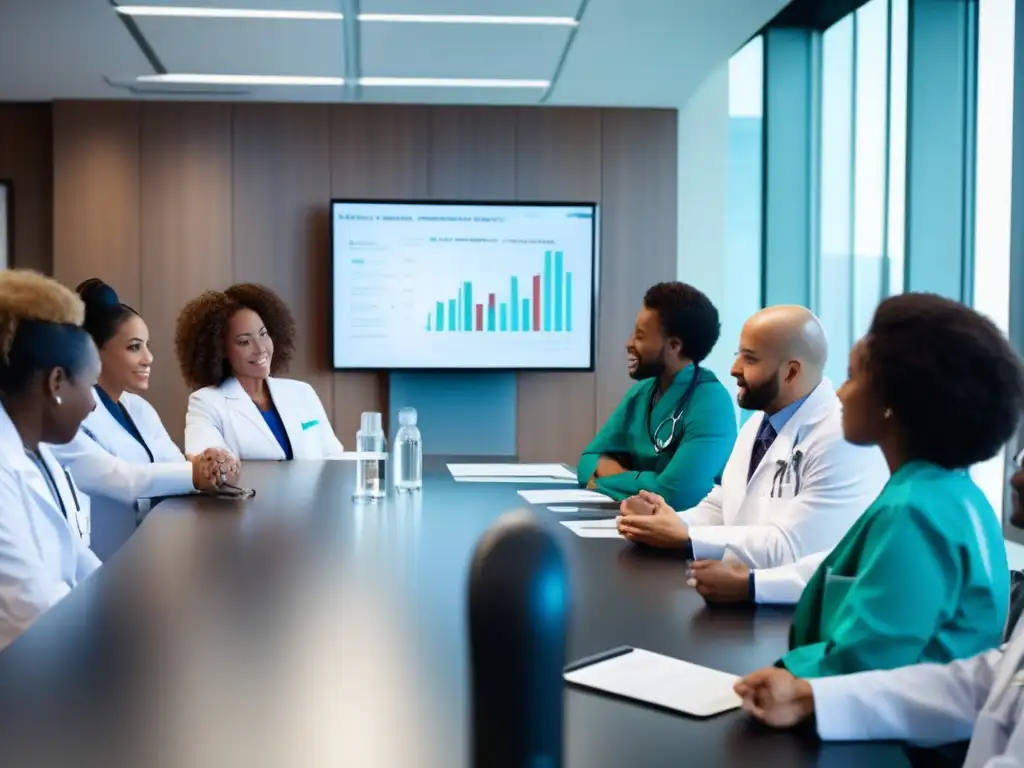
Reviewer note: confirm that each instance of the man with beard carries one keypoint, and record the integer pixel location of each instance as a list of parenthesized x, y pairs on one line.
[(793, 485), (673, 431)]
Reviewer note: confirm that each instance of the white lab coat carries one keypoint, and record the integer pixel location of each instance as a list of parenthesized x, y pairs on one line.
[(981, 699), (43, 555), (784, 585), (114, 469), (226, 417), (768, 522)]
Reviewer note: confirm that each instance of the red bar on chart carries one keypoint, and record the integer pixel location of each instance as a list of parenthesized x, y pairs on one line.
[(536, 302), (479, 317)]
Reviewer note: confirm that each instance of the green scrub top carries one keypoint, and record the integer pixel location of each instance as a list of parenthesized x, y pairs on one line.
[(685, 473), (920, 577)]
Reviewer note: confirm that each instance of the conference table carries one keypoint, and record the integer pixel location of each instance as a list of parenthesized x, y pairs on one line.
[(300, 628)]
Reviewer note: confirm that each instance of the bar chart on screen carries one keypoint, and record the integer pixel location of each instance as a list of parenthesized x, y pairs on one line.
[(463, 286), (543, 305)]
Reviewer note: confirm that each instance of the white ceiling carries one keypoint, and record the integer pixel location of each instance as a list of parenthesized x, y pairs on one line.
[(623, 53)]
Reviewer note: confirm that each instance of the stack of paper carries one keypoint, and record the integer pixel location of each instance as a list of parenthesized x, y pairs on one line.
[(593, 529), (566, 496), (512, 473)]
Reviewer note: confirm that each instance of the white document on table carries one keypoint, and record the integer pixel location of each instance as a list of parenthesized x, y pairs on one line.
[(516, 480), (565, 496), (511, 470), (659, 680), (593, 529)]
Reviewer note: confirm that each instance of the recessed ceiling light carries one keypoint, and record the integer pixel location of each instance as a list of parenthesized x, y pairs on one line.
[(193, 79), (430, 18), (225, 13), (451, 82)]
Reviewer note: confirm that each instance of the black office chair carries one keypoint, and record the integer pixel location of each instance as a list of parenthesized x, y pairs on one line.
[(1016, 601)]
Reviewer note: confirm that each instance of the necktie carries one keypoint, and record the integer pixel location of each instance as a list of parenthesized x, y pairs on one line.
[(765, 437)]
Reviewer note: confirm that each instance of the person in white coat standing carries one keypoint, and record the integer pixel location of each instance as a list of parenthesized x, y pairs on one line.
[(793, 485), (48, 366), (980, 698), (122, 452), (230, 344)]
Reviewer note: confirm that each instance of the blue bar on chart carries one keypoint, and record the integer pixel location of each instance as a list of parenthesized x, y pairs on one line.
[(503, 317), (439, 325), (568, 301), (514, 302), (526, 314), (547, 290), (467, 306), (490, 311), (558, 290), (451, 314)]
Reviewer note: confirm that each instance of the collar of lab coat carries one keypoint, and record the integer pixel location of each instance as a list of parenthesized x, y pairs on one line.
[(816, 407), (12, 447), (241, 401)]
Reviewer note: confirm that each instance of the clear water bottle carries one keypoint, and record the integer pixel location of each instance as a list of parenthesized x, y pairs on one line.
[(408, 453), (370, 478)]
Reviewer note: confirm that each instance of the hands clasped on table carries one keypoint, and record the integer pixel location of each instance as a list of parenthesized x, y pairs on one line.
[(213, 468)]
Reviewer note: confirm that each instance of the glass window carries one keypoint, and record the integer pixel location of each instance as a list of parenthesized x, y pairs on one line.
[(994, 146), (743, 207), (895, 235), (869, 168), (832, 298)]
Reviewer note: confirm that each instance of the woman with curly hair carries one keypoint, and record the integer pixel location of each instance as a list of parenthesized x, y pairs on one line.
[(122, 452), (48, 367), (922, 575), (230, 344)]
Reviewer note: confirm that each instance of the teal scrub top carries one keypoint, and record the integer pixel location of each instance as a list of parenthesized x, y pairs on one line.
[(918, 578), (684, 474)]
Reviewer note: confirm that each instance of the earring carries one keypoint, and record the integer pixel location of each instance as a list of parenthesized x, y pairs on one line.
[(58, 400), (888, 413)]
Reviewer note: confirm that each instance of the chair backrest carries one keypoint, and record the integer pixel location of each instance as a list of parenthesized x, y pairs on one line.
[(1016, 601)]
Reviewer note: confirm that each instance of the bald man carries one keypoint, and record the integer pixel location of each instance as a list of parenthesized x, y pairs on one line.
[(792, 486)]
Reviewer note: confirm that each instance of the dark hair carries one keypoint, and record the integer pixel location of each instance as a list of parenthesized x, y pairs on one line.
[(202, 325), (686, 314), (104, 312), (40, 329), (950, 377)]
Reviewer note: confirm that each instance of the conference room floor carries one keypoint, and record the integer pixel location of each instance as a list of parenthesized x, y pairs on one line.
[(302, 629)]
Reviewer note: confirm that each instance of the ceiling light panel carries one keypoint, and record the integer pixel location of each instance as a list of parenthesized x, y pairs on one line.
[(317, 6), (561, 8), (250, 47), (460, 51), (202, 12)]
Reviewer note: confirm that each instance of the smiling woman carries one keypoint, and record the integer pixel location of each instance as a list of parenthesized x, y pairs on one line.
[(229, 345), (122, 452)]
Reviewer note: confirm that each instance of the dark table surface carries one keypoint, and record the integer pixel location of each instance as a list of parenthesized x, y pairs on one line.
[(302, 629)]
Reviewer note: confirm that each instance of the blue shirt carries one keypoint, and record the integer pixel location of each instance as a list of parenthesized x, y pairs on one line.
[(273, 419), (121, 417), (779, 419)]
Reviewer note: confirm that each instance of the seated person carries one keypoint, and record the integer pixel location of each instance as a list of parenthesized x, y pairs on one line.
[(228, 344), (980, 698), (48, 367), (793, 485), (673, 430), (922, 575)]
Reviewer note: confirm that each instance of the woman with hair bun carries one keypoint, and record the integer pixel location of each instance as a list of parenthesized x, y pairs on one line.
[(48, 366), (122, 452), (230, 343)]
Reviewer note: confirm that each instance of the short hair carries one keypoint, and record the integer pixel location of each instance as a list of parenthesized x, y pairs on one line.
[(687, 314), (950, 377), (40, 329), (104, 312), (202, 325)]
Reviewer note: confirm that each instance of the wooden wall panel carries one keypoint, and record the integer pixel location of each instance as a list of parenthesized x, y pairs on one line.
[(26, 160), (376, 152), (282, 182), (96, 195), (638, 232), (472, 153), (186, 229), (558, 158)]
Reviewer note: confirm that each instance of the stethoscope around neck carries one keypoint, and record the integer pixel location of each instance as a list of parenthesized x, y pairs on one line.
[(662, 442)]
